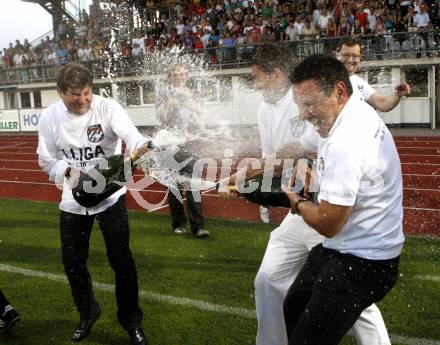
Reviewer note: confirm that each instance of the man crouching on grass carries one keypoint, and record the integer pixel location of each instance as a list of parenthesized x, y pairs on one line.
[(359, 213)]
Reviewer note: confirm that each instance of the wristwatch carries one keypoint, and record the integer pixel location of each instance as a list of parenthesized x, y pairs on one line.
[(295, 206)]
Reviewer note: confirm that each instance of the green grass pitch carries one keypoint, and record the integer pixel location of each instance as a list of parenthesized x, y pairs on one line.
[(219, 270)]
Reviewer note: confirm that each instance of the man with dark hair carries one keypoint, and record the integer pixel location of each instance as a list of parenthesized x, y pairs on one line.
[(8, 315), (75, 134), (350, 53), (280, 129), (359, 211)]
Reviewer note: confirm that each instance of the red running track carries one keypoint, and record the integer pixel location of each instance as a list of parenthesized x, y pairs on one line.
[(21, 178)]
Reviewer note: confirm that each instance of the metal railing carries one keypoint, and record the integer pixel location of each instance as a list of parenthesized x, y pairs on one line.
[(403, 45)]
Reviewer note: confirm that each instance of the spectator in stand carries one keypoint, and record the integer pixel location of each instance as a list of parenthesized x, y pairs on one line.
[(308, 35), (47, 43), (360, 15), (357, 29), (126, 49), (277, 31), (26, 46), (7, 61), (198, 44), (403, 7), (292, 32), (241, 41), (379, 28), (85, 53), (137, 51), (2, 62), (409, 20), (212, 51), (188, 40), (62, 54), (72, 52), (205, 37), (255, 34), (436, 26), (331, 41), (228, 48), (371, 19), (20, 60), (317, 14), (299, 24), (18, 45), (400, 31), (422, 22), (324, 19)]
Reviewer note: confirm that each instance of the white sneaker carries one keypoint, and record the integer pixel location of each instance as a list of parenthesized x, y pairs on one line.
[(180, 231), (264, 214)]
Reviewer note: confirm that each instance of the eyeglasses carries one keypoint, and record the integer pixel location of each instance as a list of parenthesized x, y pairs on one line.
[(355, 57)]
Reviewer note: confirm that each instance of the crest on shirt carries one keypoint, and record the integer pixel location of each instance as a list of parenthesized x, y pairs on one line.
[(361, 88), (95, 133)]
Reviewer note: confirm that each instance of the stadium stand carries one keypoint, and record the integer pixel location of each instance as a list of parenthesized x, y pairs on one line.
[(226, 31)]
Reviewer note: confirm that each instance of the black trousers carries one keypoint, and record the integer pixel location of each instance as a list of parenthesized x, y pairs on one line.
[(193, 209), (330, 293), (3, 302), (75, 235)]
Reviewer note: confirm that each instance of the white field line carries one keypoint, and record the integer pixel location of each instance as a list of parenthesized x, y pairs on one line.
[(428, 277), (187, 302), (205, 306)]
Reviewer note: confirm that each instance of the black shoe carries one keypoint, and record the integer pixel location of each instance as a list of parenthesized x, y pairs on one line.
[(9, 319), (83, 329), (137, 336), (201, 233)]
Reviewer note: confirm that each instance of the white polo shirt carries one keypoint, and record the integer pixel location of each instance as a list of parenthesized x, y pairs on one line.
[(279, 124), (65, 139), (361, 88), (359, 166)]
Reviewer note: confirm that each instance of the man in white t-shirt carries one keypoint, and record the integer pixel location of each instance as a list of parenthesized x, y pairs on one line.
[(359, 212), (75, 134), (280, 131), (349, 53)]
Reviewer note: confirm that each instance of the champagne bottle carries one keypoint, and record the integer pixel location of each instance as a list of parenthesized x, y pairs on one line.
[(257, 192), (273, 197), (110, 175)]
